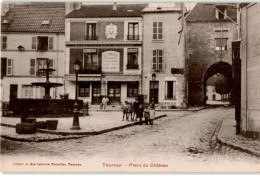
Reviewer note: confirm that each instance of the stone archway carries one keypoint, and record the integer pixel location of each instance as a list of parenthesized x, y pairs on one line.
[(221, 67)]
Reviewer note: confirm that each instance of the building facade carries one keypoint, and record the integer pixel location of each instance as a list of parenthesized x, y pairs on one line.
[(250, 73), (108, 41), (31, 35), (163, 55), (210, 29)]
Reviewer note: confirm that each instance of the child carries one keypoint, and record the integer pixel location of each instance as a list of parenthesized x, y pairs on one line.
[(146, 114), (125, 110), (152, 114)]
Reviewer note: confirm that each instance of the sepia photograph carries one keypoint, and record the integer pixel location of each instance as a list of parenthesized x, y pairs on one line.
[(130, 87)]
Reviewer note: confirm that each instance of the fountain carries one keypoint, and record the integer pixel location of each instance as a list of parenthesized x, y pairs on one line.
[(47, 85)]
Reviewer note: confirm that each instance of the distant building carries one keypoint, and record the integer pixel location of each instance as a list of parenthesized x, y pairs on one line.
[(250, 57), (31, 35), (210, 29), (163, 55), (107, 39)]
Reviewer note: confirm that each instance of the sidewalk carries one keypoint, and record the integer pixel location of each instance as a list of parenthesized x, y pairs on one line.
[(94, 124), (227, 136), (118, 108)]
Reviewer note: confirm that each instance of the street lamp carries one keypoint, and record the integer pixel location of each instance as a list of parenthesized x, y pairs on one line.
[(153, 79), (75, 124)]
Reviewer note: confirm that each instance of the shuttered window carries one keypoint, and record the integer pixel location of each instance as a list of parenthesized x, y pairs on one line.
[(157, 59), (9, 66)]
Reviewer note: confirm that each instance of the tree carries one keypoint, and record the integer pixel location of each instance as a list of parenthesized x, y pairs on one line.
[(223, 86)]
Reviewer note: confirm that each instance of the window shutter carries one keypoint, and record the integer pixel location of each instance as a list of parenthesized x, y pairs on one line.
[(160, 59), (50, 42), (34, 42), (154, 59), (9, 70), (4, 42), (51, 66), (32, 66)]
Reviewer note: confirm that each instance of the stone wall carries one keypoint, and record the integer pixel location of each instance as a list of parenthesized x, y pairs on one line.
[(201, 54)]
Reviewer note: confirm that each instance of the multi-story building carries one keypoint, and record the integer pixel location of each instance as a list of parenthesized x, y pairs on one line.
[(107, 39), (163, 44), (31, 34), (250, 72), (210, 29)]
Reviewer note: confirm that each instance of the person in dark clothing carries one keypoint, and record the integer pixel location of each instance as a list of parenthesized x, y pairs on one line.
[(136, 104), (140, 113)]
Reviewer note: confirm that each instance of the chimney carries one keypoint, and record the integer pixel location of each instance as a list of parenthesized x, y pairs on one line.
[(114, 6)]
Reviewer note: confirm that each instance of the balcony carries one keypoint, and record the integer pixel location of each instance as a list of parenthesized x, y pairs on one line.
[(132, 37), (91, 71), (91, 37)]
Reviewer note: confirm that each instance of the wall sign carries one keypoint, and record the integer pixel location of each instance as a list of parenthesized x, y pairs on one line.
[(111, 31), (110, 61)]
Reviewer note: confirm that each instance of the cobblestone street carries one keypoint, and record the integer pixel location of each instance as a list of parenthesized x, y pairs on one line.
[(182, 137)]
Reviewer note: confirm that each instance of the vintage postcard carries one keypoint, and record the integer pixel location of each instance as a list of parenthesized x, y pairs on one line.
[(130, 87)]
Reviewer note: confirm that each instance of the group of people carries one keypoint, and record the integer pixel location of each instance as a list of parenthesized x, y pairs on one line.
[(137, 110)]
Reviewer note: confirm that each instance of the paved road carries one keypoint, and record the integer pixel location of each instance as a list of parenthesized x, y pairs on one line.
[(183, 138)]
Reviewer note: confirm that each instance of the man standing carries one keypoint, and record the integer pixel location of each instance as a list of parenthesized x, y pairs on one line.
[(105, 100), (135, 108)]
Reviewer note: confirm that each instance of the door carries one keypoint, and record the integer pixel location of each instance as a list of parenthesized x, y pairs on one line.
[(114, 92), (154, 91), (13, 91), (96, 92)]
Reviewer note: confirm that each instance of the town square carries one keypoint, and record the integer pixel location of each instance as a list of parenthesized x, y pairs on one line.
[(130, 87)]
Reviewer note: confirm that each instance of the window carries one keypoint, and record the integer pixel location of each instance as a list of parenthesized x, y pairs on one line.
[(27, 91), (221, 12), (4, 42), (132, 59), (42, 64), (90, 59), (132, 89), (157, 30), (133, 31), (9, 67), (84, 90), (42, 43), (221, 39), (171, 90), (91, 31), (157, 59)]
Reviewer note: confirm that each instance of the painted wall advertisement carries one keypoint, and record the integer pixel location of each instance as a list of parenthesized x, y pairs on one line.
[(110, 61)]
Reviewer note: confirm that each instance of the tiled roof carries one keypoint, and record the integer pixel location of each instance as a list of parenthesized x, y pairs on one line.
[(206, 12), (29, 19), (99, 11)]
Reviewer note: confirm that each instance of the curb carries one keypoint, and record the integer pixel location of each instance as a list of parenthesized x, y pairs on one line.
[(77, 135), (222, 141), (96, 132)]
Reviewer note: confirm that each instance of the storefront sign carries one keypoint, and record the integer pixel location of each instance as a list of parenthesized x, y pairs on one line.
[(90, 50), (110, 61)]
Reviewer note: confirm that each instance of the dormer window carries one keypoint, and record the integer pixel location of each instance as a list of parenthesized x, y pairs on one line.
[(221, 12), (5, 22), (46, 22)]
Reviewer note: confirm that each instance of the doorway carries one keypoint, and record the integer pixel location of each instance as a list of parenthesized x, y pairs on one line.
[(154, 91), (96, 92), (114, 92), (13, 91)]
